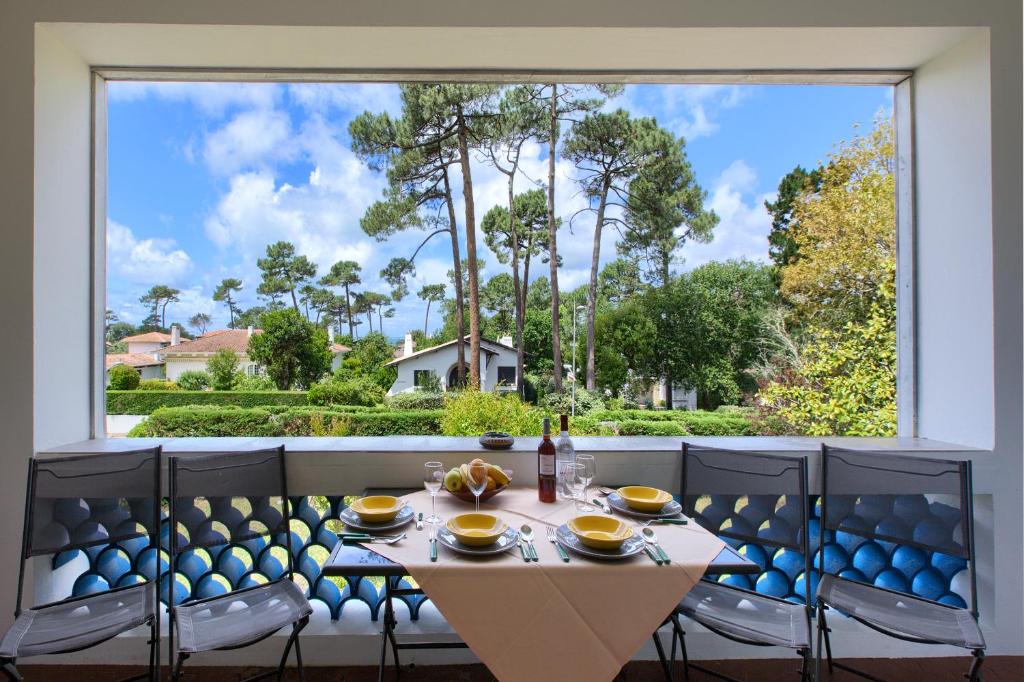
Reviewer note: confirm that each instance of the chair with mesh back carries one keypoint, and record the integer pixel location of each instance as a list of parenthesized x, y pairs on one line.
[(758, 499), (232, 499), (903, 507), (75, 504)]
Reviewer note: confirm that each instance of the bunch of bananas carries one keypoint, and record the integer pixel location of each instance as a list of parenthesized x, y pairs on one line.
[(455, 480)]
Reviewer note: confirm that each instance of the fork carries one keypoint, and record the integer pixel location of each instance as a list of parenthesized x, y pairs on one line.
[(432, 539), (374, 539), (551, 536)]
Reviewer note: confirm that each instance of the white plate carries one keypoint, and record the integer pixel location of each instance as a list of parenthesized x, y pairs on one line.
[(505, 542), (671, 508), (631, 547), (352, 520)]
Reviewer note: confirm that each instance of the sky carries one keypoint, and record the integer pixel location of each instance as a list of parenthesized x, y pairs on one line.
[(202, 176)]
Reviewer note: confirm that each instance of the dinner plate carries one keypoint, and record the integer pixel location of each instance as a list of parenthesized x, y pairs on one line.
[(352, 520), (505, 542), (632, 546), (671, 508)]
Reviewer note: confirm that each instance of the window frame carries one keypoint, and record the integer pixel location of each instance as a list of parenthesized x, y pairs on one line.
[(903, 115)]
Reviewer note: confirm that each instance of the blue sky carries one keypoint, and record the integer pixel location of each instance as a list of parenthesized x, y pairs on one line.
[(204, 175)]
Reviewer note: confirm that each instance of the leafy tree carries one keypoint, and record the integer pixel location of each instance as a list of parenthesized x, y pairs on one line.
[(250, 317), (194, 380), (318, 300), (344, 274), (782, 248), (224, 294), (284, 272), (368, 358), (123, 378), (498, 297), (222, 368), (431, 293), (293, 350), (619, 281), (200, 322), (608, 150), (845, 234), (158, 298), (118, 330), (845, 383)]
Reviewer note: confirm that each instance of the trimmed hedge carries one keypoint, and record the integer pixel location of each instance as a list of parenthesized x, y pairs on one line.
[(633, 427), (145, 402), (697, 422), (298, 421)]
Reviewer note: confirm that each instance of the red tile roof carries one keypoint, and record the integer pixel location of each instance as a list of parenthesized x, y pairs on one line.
[(132, 359), (211, 342), (148, 337), (339, 348)]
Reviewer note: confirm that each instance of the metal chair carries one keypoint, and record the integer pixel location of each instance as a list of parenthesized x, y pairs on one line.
[(759, 499), (251, 489), (76, 503), (904, 504)]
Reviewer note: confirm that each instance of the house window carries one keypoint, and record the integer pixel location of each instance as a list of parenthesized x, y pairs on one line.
[(423, 378), (507, 376)]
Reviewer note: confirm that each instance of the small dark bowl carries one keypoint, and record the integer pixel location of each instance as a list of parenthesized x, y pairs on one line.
[(497, 440)]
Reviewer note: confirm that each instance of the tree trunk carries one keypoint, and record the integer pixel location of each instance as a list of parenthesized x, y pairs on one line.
[(460, 313), (592, 290), (474, 284), (556, 335), (163, 314), (369, 319), (426, 318), (348, 313), (517, 285), (665, 263), (295, 301), (231, 313)]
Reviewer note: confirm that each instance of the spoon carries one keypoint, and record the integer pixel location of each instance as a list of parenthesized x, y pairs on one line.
[(605, 491), (526, 533), (651, 537)]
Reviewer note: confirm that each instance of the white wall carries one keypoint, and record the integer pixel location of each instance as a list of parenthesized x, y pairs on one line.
[(44, 114), (441, 363), (175, 366)]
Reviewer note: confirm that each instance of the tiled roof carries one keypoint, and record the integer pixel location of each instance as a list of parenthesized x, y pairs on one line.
[(484, 343), (148, 337), (211, 342), (132, 359), (339, 348)]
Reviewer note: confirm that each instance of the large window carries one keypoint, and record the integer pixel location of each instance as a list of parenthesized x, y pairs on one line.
[(724, 251)]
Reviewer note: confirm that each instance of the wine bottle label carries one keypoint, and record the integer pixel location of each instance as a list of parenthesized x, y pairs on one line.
[(547, 465)]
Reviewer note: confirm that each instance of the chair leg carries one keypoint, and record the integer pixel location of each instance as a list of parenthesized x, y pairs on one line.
[(979, 659), (298, 661), (665, 668), (293, 638), (11, 670), (805, 664), (681, 633), (176, 667), (823, 625)]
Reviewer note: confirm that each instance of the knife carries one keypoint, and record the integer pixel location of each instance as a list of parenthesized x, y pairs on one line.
[(602, 504), (419, 521), (522, 551), (433, 544), (672, 522)]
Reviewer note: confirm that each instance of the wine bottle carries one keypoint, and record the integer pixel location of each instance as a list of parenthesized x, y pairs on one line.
[(546, 479), (565, 453)]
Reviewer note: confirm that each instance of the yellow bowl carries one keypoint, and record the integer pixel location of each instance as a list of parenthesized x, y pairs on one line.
[(377, 508), (600, 532), (476, 530), (642, 498)]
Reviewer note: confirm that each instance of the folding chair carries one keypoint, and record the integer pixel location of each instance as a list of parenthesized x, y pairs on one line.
[(899, 507), (77, 503), (762, 500), (251, 488)]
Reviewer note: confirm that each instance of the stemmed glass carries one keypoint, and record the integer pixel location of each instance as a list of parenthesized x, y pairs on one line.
[(433, 476), (477, 481), (589, 471), (575, 484)]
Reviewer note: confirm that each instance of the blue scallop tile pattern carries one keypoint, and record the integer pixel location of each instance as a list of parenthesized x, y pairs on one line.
[(749, 523)]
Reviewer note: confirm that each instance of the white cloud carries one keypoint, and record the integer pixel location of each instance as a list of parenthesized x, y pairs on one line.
[(744, 222), (212, 99), (352, 98), (687, 110), (145, 261), (253, 139)]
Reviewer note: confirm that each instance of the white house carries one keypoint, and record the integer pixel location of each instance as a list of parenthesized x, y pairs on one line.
[(150, 342), (143, 354), (497, 365)]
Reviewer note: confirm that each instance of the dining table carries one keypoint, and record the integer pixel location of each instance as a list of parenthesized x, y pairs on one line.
[(548, 619)]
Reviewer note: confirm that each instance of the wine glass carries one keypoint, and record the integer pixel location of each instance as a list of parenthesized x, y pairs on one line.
[(575, 484), (477, 481), (433, 476), (589, 472)]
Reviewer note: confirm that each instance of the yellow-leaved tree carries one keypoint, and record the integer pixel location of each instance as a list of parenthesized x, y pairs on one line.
[(841, 287)]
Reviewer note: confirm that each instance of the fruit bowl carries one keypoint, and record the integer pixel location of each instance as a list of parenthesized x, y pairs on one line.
[(476, 530), (600, 532), (377, 508), (455, 481), (644, 499)]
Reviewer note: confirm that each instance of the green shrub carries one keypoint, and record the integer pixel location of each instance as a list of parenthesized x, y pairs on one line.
[(471, 413), (416, 400), (206, 421), (697, 422), (355, 391), (561, 403), (312, 421), (123, 378), (633, 427), (258, 382), (157, 385), (194, 380), (145, 402), (222, 368)]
